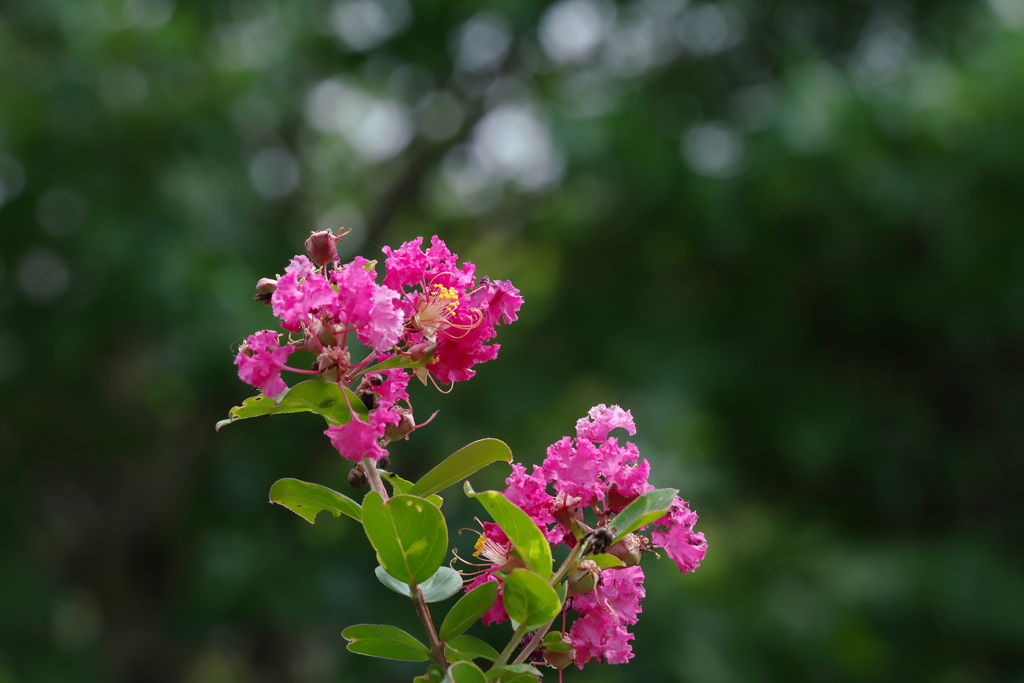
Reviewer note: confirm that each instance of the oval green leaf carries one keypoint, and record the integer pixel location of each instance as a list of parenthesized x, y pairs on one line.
[(308, 500), (529, 599), (468, 609), (461, 464), (520, 529), (606, 561), (445, 583), (400, 486), (469, 647), (644, 510), (465, 672), (408, 533), (312, 396), (395, 362), (383, 640)]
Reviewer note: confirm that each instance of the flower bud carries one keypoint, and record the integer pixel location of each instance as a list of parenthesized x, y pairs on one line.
[(629, 549), (558, 650), (265, 288), (322, 247), (384, 463), (583, 578), (405, 425), (357, 477), (423, 351)]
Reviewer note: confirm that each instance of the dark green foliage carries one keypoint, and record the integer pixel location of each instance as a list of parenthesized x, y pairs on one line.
[(798, 258)]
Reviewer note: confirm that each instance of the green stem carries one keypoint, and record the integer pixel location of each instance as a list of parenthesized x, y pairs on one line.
[(517, 638), (538, 636), (563, 571), (373, 477)]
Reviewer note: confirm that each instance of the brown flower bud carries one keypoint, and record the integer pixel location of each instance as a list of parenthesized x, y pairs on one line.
[(384, 463), (265, 288), (322, 247), (357, 477)]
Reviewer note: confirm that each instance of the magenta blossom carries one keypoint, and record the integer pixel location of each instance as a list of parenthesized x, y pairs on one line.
[(450, 314), (260, 360), (357, 439), (582, 484)]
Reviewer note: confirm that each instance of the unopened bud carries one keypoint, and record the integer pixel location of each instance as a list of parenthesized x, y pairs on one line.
[(405, 425), (583, 579), (423, 351), (322, 247), (357, 477), (629, 550), (558, 650), (383, 463), (265, 288)]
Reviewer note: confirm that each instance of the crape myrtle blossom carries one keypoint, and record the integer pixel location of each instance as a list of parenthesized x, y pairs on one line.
[(260, 360), (450, 314), (596, 475), (429, 309)]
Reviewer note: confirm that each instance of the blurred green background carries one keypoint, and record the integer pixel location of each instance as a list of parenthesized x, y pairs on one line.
[(789, 236)]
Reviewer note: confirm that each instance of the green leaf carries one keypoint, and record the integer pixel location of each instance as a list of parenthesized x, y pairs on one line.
[(398, 485), (520, 529), (401, 486), (307, 500), (408, 533), (468, 609), (606, 561), (513, 673), (556, 642), (464, 672), (469, 647), (395, 362), (312, 396), (382, 640), (461, 464), (445, 583), (644, 510), (529, 599)]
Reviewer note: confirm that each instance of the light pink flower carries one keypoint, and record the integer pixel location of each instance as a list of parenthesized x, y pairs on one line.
[(601, 420)]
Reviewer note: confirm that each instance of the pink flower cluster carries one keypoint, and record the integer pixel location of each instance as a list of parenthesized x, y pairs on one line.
[(594, 474), (428, 309)]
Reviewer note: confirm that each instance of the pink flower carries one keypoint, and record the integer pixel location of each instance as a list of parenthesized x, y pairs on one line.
[(367, 306), (297, 300), (447, 308), (678, 539), (408, 265), (260, 361), (601, 420), (356, 439), (600, 633)]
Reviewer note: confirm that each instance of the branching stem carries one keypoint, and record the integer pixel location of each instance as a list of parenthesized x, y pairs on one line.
[(423, 612)]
